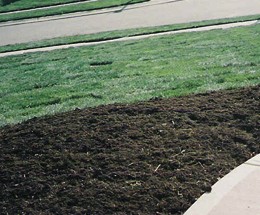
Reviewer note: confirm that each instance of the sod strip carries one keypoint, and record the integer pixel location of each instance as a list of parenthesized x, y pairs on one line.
[(120, 34), (22, 5), (46, 7), (46, 83), (88, 6), (52, 48)]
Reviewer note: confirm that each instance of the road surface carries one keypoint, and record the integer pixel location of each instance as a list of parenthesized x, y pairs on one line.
[(153, 13)]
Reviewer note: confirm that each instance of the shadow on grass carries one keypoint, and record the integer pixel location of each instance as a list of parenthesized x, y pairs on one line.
[(7, 2)]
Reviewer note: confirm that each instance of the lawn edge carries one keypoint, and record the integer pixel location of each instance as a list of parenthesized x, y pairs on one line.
[(40, 7), (35, 16)]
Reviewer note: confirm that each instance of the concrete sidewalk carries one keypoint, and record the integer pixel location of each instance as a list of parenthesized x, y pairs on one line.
[(145, 36), (149, 14), (238, 193)]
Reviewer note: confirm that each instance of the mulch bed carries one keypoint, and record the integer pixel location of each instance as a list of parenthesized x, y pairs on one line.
[(154, 157)]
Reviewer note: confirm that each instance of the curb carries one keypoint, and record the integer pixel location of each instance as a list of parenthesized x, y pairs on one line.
[(237, 193), (199, 29)]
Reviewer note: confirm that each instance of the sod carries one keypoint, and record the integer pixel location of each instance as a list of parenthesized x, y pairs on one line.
[(21, 5), (88, 6), (47, 83)]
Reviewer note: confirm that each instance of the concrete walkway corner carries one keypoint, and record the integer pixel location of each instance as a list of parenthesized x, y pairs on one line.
[(238, 193)]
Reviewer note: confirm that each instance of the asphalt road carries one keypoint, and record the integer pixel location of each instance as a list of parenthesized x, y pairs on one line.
[(153, 13)]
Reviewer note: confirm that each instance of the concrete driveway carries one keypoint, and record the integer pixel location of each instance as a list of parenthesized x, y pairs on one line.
[(153, 13)]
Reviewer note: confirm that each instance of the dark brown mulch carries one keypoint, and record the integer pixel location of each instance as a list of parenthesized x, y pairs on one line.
[(154, 157)]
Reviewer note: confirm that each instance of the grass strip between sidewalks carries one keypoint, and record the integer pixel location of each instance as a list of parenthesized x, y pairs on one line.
[(120, 34), (28, 4), (50, 82), (88, 6)]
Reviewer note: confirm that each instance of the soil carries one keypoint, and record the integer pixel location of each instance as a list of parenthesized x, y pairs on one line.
[(153, 157)]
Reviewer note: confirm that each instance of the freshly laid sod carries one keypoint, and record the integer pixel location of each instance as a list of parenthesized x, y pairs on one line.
[(88, 6), (123, 33), (47, 83)]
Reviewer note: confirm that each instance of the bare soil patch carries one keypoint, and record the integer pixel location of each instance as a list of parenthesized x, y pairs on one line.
[(154, 157)]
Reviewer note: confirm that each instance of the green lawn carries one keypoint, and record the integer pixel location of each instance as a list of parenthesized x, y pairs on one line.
[(30, 4), (47, 83), (87, 6)]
